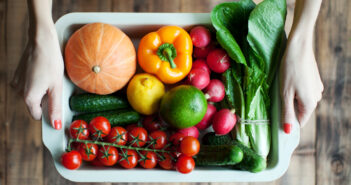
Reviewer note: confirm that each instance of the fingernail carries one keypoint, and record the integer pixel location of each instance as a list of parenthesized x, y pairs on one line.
[(287, 128), (57, 124)]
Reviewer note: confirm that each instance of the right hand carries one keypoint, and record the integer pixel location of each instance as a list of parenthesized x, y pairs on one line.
[(40, 72)]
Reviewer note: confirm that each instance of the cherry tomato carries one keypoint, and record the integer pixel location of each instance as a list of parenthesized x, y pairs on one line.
[(137, 137), (118, 135), (167, 162), (96, 162), (189, 146), (150, 161), (88, 151), (108, 155), (99, 127), (76, 126), (160, 137), (129, 158), (151, 124), (131, 126), (185, 164), (176, 138), (175, 151), (71, 160)]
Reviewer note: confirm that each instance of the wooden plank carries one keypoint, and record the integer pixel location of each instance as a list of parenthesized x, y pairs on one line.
[(24, 148), (3, 88), (333, 46), (156, 5), (122, 6)]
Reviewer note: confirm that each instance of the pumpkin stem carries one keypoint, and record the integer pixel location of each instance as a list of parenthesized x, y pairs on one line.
[(96, 69)]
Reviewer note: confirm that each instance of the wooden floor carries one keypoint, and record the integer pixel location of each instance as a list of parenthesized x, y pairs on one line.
[(323, 156)]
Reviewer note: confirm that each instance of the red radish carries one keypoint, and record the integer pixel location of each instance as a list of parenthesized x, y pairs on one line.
[(200, 36), (191, 131), (203, 52), (199, 78), (206, 121), (223, 121), (215, 91), (201, 64), (218, 60)]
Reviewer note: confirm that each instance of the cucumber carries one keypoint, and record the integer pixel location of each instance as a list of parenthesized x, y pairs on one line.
[(85, 103), (116, 117), (218, 155), (211, 139), (251, 161)]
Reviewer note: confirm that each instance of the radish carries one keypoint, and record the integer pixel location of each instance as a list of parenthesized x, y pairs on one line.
[(203, 52), (215, 91), (201, 64), (200, 36), (218, 60), (223, 121), (199, 78), (206, 121), (191, 131)]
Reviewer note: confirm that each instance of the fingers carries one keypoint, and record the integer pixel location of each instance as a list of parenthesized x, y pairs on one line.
[(305, 109), (55, 108), (33, 101), (288, 112)]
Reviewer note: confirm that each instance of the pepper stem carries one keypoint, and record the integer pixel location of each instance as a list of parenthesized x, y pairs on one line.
[(167, 52)]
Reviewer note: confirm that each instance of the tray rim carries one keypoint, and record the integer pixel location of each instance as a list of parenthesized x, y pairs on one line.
[(286, 143)]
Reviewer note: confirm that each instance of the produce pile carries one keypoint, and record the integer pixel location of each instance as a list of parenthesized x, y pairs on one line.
[(210, 84)]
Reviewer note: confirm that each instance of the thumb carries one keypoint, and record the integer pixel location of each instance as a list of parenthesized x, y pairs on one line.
[(288, 112), (54, 103)]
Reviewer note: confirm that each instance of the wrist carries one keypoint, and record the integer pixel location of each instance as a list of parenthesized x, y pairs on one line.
[(300, 37), (43, 30), (44, 35)]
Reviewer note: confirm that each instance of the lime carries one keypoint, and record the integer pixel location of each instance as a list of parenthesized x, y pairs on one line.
[(183, 106)]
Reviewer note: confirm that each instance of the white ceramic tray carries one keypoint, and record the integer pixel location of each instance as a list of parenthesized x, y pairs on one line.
[(135, 25)]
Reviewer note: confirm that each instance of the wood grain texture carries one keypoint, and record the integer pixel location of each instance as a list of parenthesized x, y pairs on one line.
[(333, 46), (24, 160), (3, 87), (321, 158)]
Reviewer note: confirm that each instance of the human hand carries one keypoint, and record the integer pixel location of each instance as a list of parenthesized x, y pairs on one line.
[(301, 86), (40, 72)]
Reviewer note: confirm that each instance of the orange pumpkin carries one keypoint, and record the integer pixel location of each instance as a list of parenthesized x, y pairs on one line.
[(100, 58)]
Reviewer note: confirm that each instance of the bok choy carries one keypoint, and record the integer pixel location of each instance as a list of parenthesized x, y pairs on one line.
[(254, 38)]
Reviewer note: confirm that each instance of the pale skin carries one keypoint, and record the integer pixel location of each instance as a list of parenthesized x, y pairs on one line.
[(301, 85), (40, 71)]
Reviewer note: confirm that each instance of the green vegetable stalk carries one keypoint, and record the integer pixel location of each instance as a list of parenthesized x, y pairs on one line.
[(254, 38)]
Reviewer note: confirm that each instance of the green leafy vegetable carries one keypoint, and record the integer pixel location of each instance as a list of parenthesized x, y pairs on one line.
[(254, 38)]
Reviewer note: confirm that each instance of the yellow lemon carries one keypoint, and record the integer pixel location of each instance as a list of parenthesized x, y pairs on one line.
[(144, 93)]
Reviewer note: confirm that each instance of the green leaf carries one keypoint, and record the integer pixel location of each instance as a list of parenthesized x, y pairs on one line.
[(266, 38), (230, 21), (254, 38)]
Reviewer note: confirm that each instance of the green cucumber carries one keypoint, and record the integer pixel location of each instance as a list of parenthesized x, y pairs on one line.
[(116, 117), (251, 161), (218, 155), (212, 139), (85, 103)]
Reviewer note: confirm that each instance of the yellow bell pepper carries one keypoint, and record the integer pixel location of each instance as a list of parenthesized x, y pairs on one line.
[(166, 53)]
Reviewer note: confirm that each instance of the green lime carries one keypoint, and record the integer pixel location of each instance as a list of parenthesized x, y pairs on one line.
[(183, 106)]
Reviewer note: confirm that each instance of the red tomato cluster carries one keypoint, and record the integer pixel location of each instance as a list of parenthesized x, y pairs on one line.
[(144, 145)]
